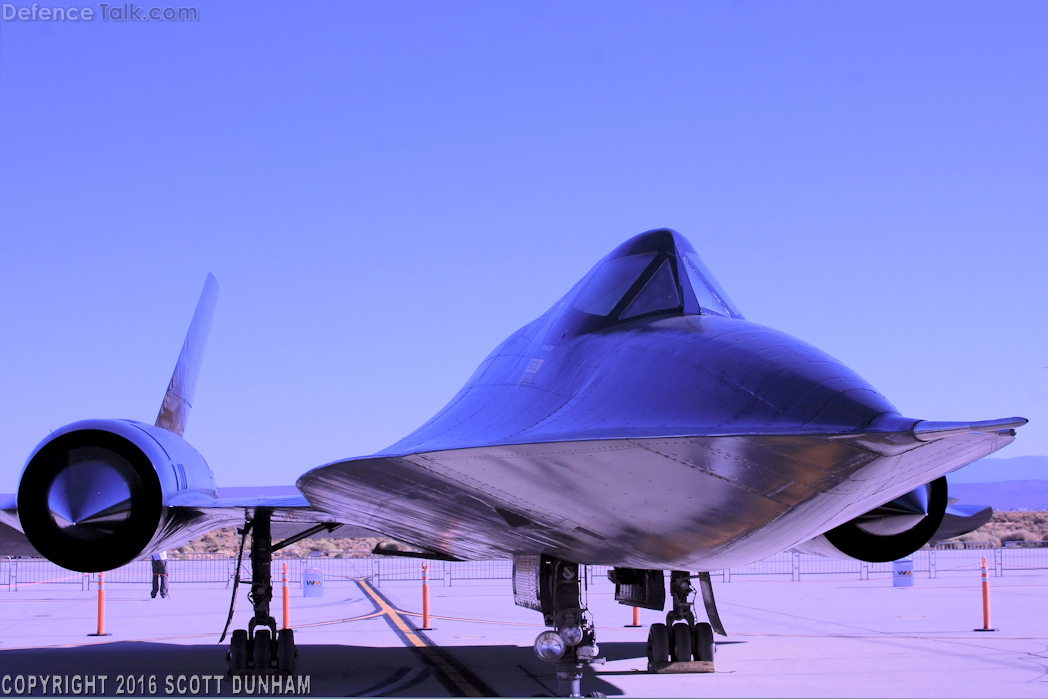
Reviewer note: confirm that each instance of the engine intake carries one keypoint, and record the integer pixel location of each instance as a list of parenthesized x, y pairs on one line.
[(894, 530), (90, 500), (97, 494)]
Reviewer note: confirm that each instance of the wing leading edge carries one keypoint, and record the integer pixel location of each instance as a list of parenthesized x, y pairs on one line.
[(672, 502)]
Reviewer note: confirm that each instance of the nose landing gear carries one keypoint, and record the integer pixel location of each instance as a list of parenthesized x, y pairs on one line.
[(557, 593)]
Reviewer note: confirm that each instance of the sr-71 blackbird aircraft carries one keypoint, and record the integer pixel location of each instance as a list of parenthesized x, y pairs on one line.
[(641, 423)]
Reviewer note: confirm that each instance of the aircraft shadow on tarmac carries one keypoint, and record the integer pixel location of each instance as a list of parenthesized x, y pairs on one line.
[(334, 670)]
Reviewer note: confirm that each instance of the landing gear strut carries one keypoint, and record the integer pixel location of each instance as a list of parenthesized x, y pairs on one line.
[(261, 649), (573, 644), (681, 639)]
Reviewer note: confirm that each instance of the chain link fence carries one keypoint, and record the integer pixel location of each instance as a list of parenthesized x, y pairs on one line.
[(945, 558)]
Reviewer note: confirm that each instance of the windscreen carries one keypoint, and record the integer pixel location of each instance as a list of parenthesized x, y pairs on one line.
[(709, 293), (611, 282), (659, 294)]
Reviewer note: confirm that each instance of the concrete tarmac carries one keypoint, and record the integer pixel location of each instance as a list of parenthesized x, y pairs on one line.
[(824, 636)]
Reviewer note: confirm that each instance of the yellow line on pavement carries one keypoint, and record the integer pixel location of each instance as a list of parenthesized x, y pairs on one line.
[(362, 617), (477, 621), (435, 658)]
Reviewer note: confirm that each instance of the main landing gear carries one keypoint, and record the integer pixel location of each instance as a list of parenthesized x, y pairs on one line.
[(681, 642), (261, 649)]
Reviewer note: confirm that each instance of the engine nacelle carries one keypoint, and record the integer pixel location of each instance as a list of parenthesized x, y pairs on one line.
[(890, 532), (95, 494)]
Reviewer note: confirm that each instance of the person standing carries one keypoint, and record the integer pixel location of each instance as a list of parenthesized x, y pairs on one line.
[(160, 574)]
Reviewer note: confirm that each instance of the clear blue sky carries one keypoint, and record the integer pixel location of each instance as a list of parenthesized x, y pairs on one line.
[(386, 190)]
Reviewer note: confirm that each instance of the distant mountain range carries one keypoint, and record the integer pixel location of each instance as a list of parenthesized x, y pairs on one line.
[(1018, 483), (1017, 468), (1003, 495)]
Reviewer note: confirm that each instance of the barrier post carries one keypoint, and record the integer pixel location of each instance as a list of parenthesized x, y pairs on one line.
[(425, 596), (101, 607), (287, 601), (985, 598), (636, 619)]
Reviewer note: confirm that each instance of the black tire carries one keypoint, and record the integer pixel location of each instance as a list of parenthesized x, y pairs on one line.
[(681, 642), (238, 651), (286, 652), (263, 649), (658, 646), (704, 647)]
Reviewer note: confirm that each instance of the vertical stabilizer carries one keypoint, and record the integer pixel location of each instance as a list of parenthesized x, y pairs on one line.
[(179, 397)]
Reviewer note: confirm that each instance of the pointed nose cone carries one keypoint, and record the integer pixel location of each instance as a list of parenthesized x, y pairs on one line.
[(898, 516), (89, 499)]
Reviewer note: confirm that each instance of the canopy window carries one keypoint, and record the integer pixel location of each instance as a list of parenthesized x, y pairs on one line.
[(659, 294), (611, 282), (708, 291)]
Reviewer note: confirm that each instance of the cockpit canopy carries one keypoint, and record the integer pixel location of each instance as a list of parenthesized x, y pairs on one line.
[(657, 272)]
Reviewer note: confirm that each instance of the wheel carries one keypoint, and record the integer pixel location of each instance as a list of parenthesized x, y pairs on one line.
[(681, 642), (704, 647), (263, 649), (238, 651), (658, 646), (286, 651)]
